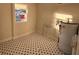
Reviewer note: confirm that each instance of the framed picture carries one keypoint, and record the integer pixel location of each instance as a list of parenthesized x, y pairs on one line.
[(21, 15)]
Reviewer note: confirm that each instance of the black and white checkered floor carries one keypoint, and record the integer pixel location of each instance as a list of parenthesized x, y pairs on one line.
[(33, 44)]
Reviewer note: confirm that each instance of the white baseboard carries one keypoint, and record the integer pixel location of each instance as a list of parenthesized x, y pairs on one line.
[(22, 35), (6, 39), (10, 38)]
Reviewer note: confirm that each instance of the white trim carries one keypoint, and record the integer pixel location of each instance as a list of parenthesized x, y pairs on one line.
[(10, 38), (3, 40), (15, 37)]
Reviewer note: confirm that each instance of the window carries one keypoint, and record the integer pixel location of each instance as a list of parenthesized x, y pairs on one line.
[(62, 17)]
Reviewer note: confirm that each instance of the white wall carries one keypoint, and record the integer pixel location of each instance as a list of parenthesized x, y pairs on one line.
[(26, 27), (46, 16), (5, 22), (8, 26)]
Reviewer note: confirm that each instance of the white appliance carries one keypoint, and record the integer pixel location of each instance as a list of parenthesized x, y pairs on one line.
[(67, 31), (77, 45)]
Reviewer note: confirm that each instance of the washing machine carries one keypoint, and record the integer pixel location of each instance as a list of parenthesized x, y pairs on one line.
[(67, 31)]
